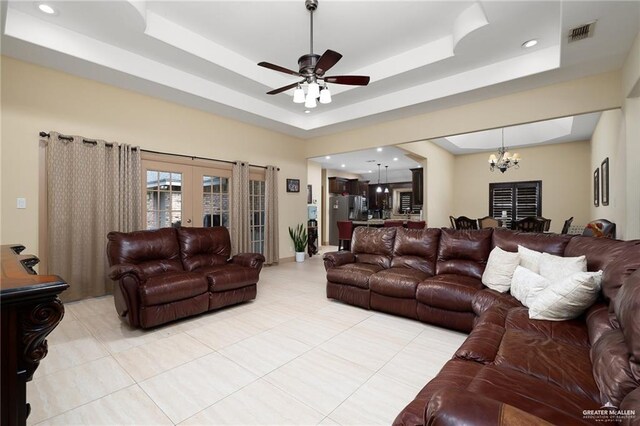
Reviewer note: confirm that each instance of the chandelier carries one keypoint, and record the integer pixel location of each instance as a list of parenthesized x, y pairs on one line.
[(314, 92), (504, 160)]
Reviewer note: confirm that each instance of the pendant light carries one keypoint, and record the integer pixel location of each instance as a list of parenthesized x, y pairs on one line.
[(386, 186), (379, 188)]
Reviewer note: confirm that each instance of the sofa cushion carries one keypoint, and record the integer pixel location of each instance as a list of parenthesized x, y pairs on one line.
[(452, 292), (154, 252), (526, 285), (229, 277), (354, 274), (373, 245), (555, 268), (572, 332), (529, 259), (627, 307), (549, 243), (611, 367), (201, 247), (397, 282), (499, 271), (416, 249), (565, 365), (463, 252), (171, 287)]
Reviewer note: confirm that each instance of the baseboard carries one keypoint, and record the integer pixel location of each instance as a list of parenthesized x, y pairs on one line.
[(287, 259)]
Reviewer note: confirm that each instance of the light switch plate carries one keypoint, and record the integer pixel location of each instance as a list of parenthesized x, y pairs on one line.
[(22, 203)]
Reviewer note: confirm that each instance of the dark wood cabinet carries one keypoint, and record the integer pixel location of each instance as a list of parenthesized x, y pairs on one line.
[(352, 187), (30, 310), (338, 185), (417, 186), (363, 188)]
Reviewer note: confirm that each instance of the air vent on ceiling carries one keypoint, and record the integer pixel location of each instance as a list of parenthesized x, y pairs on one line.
[(371, 161), (581, 32)]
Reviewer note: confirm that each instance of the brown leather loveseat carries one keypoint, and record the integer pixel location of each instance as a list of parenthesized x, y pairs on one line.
[(511, 369), (167, 274)]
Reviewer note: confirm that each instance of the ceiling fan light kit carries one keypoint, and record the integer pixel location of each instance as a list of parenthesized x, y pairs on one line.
[(312, 67)]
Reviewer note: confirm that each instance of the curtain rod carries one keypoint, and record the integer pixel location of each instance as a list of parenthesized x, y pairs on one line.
[(193, 157)]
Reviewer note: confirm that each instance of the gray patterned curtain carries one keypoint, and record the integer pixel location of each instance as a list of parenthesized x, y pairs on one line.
[(271, 236), (93, 187), (239, 214)]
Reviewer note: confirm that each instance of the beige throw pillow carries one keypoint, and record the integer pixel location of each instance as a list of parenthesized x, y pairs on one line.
[(566, 298), (526, 285), (499, 270), (529, 259), (555, 268)]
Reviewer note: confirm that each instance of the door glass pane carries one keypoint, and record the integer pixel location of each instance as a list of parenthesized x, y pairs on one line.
[(256, 217), (164, 199), (215, 201)]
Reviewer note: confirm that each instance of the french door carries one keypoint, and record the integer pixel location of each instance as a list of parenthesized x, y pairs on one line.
[(177, 194)]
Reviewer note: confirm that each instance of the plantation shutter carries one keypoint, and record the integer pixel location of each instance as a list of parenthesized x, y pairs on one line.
[(517, 199), (405, 201)]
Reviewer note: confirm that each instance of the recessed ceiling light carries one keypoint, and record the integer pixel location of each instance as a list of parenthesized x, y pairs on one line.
[(379, 149), (328, 157), (342, 165), (529, 43), (395, 158), (45, 8), (306, 111), (368, 171)]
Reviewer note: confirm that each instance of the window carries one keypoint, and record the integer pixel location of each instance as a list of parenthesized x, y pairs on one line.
[(215, 199), (164, 199), (256, 210), (405, 202), (515, 200)]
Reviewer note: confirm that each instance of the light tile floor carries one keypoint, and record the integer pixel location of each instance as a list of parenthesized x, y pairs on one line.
[(290, 357)]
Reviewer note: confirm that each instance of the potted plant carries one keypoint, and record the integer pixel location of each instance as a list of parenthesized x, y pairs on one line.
[(299, 237)]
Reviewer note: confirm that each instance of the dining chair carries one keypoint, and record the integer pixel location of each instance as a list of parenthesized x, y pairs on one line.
[(453, 221), (547, 223), (488, 222), (393, 223), (530, 224), (600, 228), (566, 226), (416, 224), (463, 222), (345, 230)]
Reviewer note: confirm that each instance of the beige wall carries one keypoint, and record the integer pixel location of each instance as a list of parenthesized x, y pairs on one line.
[(608, 140), (562, 168), (36, 98), (438, 197), (314, 178)]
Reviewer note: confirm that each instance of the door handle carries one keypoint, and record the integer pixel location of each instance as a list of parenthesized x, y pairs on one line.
[(188, 220)]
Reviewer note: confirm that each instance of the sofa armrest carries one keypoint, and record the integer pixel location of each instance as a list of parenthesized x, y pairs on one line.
[(118, 271), (250, 260), (486, 298), (337, 258), (454, 406)]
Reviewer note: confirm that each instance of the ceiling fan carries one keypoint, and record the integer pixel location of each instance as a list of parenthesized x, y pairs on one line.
[(312, 69)]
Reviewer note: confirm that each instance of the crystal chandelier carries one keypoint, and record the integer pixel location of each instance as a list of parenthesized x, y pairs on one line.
[(504, 160)]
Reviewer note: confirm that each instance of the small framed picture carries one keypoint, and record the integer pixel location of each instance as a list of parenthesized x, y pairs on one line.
[(596, 187), (604, 176), (293, 185)]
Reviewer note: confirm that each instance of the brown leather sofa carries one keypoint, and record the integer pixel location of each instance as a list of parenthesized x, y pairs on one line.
[(169, 273), (510, 369)]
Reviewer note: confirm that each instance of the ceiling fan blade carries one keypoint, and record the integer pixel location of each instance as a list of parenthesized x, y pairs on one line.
[(278, 68), (351, 80), (282, 89), (326, 61)]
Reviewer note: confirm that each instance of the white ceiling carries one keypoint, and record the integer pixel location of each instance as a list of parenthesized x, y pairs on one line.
[(421, 55)]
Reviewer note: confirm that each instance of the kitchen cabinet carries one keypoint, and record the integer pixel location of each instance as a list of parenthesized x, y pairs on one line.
[(417, 186), (338, 185)]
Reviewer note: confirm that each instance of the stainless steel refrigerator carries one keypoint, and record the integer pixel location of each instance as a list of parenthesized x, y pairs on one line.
[(345, 207)]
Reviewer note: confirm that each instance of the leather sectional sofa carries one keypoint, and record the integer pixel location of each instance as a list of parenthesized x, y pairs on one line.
[(511, 369), (167, 274)]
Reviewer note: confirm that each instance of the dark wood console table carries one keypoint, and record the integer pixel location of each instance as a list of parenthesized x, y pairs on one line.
[(30, 310)]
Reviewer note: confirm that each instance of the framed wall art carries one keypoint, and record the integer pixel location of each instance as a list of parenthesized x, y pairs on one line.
[(604, 176), (596, 187), (293, 185)]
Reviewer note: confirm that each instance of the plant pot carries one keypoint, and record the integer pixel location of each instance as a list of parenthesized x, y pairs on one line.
[(300, 256)]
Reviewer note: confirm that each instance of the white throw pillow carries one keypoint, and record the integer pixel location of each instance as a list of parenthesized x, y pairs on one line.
[(567, 298), (555, 268), (529, 259), (499, 271), (526, 285)]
